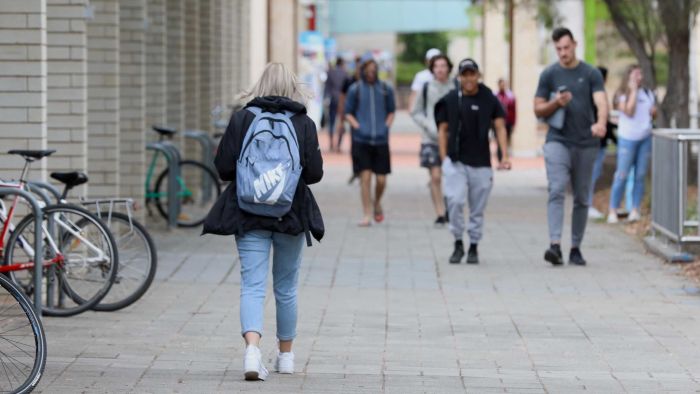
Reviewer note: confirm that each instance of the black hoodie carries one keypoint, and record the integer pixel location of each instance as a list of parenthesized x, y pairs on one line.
[(226, 218)]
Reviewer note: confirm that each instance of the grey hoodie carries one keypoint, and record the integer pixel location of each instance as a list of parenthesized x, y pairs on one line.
[(424, 114)]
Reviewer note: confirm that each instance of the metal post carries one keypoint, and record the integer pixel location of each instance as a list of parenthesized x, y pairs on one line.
[(682, 185), (173, 158), (38, 235), (48, 187), (207, 159)]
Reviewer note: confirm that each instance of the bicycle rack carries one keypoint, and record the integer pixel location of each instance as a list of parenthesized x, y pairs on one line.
[(41, 188), (38, 219), (207, 158), (172, 156)]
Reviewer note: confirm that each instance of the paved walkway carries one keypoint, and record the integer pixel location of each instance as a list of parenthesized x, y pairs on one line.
[(381, 310)]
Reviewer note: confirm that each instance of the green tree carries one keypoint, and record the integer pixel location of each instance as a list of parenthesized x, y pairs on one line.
[(416, 44), (644, 24)]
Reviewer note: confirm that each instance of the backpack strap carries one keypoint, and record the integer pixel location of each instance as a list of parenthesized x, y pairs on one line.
[(425, 99)]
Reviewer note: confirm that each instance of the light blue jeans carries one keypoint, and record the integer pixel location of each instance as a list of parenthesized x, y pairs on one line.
[(630, 153), (597, 170), (254, 252)]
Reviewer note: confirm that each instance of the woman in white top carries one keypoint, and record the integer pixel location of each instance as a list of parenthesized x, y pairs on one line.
[(637, 107)]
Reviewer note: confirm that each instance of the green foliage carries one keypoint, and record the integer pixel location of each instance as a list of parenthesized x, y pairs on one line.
[(405, 71), (416, 44)]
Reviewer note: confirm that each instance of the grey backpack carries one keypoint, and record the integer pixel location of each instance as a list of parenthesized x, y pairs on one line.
[(269, 165)]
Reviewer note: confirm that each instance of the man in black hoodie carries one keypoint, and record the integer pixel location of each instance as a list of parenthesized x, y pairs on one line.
[(464, 117)]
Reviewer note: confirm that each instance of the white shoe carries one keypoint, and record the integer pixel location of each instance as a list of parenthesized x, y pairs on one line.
[(594, 213), (253, 368), (634, 216), (285, 362), (612, 217)]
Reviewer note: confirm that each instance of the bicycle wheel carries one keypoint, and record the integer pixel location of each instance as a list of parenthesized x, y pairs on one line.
[(137, 262), (22, 341), (199, 187), (89, 259)]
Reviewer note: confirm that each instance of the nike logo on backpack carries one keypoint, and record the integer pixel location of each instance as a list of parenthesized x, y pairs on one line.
[(270, 182)]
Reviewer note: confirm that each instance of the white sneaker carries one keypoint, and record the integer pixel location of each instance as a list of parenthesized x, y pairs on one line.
[(612, 217), (253, 368), (634, 216), (285, 362), (594, 213)]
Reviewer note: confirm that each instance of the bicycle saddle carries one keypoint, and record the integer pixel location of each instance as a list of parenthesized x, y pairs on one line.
[(70, 179), (30, 154), (164, 131)]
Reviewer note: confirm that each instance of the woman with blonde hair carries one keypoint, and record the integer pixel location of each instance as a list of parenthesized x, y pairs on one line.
[(637, 106), (277, 93)]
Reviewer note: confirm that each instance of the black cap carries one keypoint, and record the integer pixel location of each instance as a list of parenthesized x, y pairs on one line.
[(468, 64)]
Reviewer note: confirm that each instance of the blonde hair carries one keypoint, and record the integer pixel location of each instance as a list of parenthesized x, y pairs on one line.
[(276, 80)]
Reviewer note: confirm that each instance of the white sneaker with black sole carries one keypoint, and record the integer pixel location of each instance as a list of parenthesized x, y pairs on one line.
[(285, 363), (253, 368)]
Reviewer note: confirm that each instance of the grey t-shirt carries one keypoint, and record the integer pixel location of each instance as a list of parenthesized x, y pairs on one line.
[(582, 81)]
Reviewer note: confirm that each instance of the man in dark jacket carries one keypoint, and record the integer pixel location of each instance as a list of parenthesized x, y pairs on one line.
[(369, 108), (464, 117), (226, 218)]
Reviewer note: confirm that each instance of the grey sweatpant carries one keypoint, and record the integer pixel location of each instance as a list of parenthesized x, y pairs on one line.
[(568, 165), (460, 181)]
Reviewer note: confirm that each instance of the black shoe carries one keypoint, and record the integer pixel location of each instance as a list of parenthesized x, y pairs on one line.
[(440, 221), (472, 255), (553, 255), (575, 257), (457, 255)]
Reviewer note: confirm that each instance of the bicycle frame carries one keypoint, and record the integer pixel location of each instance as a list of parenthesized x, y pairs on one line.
[(184, 191), (59, 258)]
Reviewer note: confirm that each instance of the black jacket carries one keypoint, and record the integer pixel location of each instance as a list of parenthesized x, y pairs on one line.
[(226, 218)]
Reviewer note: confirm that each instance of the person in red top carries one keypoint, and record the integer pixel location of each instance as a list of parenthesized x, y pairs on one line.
[(507, 99)]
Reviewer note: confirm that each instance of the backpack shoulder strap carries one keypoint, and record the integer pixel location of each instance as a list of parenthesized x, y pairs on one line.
[(425, 98), (255, 110)]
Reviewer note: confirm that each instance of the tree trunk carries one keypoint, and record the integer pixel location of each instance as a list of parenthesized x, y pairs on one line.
[(634, 40), (675, 16)]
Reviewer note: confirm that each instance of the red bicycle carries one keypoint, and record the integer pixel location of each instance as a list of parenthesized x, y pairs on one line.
[(79, 255)]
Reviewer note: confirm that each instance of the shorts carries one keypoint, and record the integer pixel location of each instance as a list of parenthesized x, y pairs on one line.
[(430, 156), (375, 158)]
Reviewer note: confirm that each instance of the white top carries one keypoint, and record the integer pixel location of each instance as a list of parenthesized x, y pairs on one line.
[(421, 78), (638, 126)]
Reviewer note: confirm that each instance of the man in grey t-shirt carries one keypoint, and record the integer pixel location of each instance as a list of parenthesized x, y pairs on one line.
[(574, 88)]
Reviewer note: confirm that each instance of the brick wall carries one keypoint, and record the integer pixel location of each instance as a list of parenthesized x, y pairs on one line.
[(175, 84), (132, 97), (205, 67), (103, 98), (67, 86), (22, 83)]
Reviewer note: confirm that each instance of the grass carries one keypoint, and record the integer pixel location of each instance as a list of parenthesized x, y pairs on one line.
[(405, 71)]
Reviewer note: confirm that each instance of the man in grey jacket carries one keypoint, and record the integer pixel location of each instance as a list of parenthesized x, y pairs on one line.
[(423, 113)]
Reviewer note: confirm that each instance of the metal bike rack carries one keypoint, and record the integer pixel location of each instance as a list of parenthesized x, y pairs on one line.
[(35, 186), (172, 156), (207, 158), (38, 219)]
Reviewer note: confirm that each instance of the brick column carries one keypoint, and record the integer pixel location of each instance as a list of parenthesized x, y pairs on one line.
[(205, 55), (175, 84), (103, 99), (242, 44), (66, 86), (217, 49), (155, 66), (22, 83), (132, 97)]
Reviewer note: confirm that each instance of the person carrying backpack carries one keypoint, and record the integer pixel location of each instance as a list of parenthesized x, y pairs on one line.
[(423, 113), (270, 153), (369, 108)]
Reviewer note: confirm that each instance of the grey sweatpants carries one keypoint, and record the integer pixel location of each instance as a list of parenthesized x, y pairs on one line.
[(568, 165), (460, 181)]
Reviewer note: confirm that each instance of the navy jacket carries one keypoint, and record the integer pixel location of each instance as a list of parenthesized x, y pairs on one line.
[(370, 104)]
